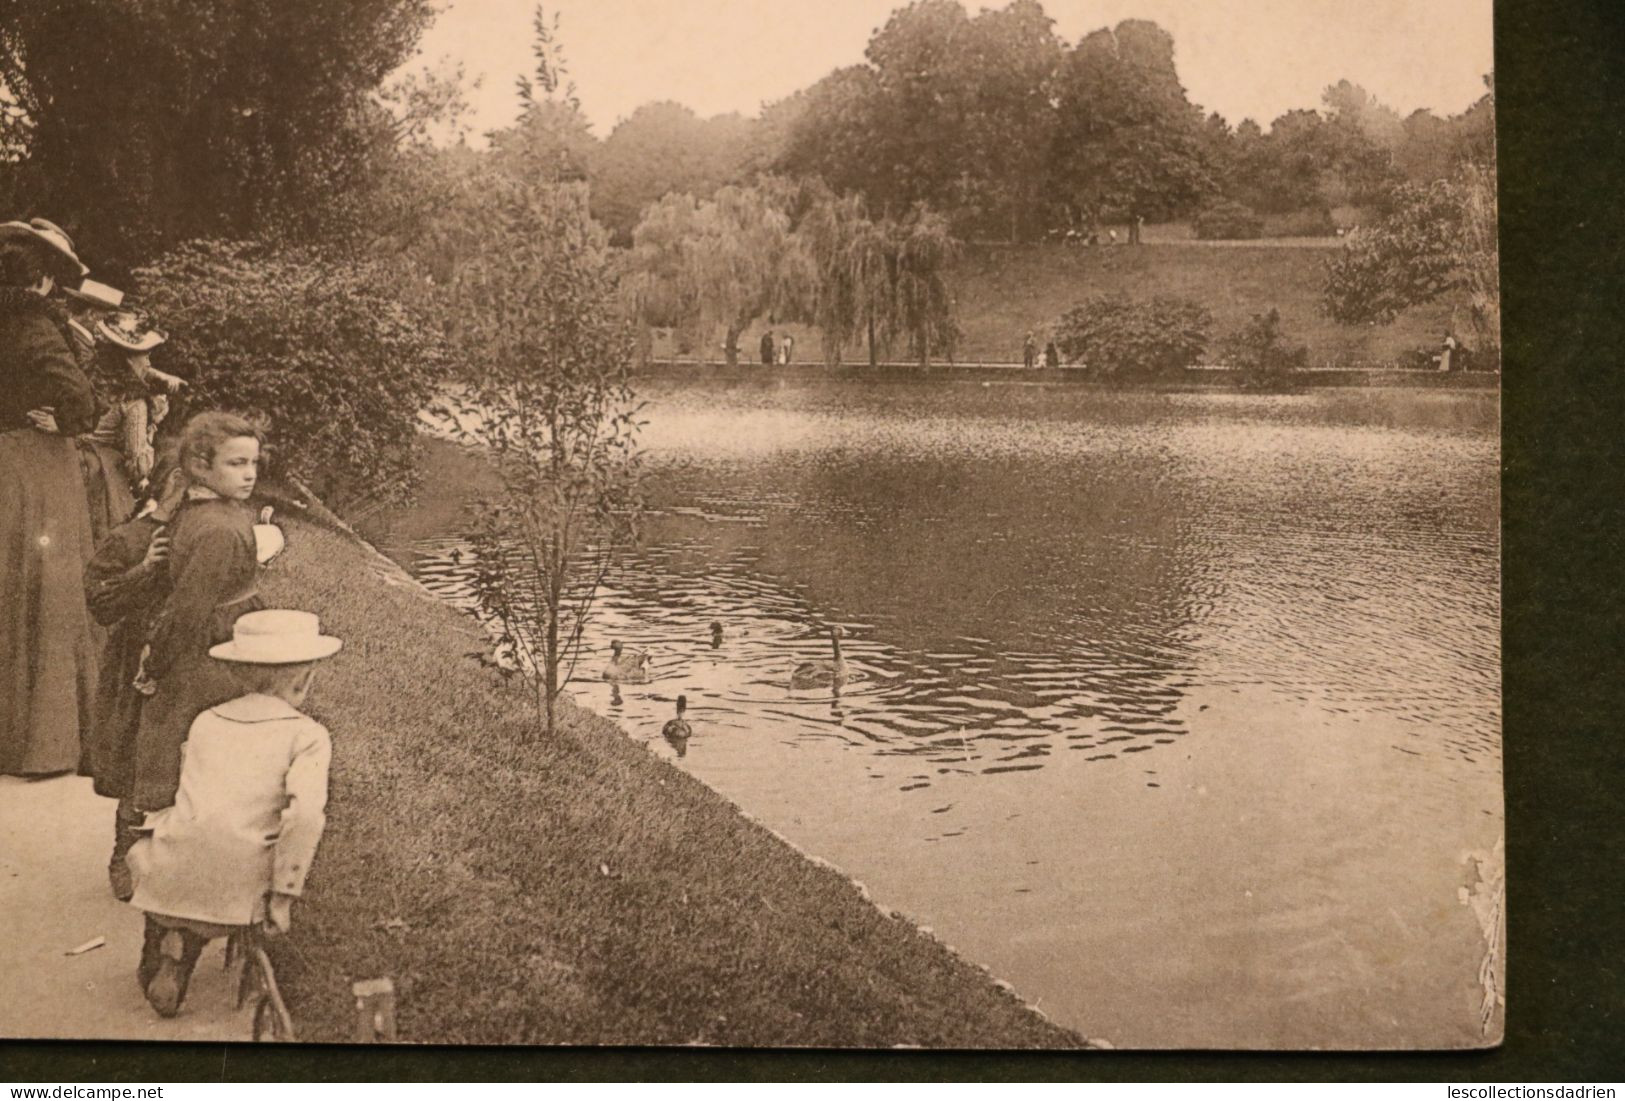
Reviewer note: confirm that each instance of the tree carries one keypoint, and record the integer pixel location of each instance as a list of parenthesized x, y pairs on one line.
[(832, 132), (552, 135), (141, 123), (729, 260), (661, 148), (1262, 355), (547, 391), (321, 348), (1439, 238), (1007, 63), (855, 265), (1118, 336), (924, 304), (1128, 140)]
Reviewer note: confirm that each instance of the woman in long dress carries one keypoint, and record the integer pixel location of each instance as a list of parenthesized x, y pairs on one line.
[(47, 650)]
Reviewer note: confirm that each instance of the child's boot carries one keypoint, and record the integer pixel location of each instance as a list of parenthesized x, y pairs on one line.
[(125, 821), (178, 950), (151, 935)]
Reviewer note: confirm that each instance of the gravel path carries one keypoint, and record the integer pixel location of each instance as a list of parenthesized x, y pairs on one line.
[(54, 838)]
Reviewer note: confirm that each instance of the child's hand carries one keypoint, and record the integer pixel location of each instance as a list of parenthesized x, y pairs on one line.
[(44, 419), (279, 914), (266, 513), (157, 551)]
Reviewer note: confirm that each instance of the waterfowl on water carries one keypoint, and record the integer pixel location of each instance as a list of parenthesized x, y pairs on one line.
[(821, 673), (626, 666), (677, 731)]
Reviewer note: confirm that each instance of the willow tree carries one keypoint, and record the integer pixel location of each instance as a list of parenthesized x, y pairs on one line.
[(729, 261), (924, 307)]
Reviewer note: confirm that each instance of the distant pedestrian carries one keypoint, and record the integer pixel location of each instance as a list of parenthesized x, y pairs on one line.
[(1029, 351), (1052, 355), (1111, 236), (767, 348), (787, 349), (1447, 353), (1134, 229)]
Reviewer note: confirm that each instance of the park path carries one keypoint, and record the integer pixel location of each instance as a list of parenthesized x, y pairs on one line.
[(54, 839)]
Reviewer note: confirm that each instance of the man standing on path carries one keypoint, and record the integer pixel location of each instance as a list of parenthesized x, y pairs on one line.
[(767, 348), (1029, 350)]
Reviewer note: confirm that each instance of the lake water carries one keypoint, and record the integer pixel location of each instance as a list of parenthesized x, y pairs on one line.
[(1178, 711)]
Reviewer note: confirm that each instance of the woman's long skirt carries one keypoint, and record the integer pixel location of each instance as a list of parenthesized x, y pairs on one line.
[(107, 487), (47, 647)]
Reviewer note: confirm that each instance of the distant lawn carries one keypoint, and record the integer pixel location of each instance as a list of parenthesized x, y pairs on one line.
[(1005, 290), (470, 867)]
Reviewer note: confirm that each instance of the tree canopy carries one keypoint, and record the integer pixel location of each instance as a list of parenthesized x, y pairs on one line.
[(140, 123)]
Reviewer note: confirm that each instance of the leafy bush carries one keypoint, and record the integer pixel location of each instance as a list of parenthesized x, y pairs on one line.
[(1117, 335), (321, 349), (1228, 220), (1262, 355), (1315, 221)]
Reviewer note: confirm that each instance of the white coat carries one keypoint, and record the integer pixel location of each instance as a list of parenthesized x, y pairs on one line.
[(247, 817)]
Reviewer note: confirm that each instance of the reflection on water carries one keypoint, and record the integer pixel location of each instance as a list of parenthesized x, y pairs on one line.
[(1112, 656)]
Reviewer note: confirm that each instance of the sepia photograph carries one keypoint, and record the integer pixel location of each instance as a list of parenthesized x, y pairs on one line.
[(870, 524)]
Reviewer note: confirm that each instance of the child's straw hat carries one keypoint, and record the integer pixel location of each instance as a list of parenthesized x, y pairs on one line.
[(276, 637)]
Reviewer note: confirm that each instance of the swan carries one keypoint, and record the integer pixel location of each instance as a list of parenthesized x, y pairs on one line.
[(677, 731), (626, 666), (822, 673)]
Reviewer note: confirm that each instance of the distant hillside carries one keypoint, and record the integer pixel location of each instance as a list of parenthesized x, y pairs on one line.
[(1005, 290)]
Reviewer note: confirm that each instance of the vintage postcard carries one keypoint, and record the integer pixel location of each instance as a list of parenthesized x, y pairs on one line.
[(859, 524)]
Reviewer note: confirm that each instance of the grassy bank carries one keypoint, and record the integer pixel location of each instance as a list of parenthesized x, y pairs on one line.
[(572, 890), (1004, 291)]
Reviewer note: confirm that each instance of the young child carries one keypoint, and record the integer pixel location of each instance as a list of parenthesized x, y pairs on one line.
[(213, 578), (125, 582), (235, 847)]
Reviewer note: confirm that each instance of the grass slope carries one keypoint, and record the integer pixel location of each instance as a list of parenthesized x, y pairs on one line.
[(467, 865), (1004, 291)]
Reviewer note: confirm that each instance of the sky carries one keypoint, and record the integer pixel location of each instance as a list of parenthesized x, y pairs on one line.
[(1243, 58)]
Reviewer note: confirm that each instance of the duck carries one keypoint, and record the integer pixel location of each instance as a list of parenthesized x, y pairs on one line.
[(821, 673), (677, 732), (626, 666)]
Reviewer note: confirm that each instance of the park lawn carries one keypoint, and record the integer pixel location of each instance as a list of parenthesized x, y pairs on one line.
[(1004, 290), (573, 889)]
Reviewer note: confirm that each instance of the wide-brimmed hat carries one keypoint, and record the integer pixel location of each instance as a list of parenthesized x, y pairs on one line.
[(130, 331), (92, 293), (51, 235), (276, 637)]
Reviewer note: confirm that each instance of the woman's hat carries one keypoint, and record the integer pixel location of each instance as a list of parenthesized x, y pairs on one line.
[(99, 295), (129, 330), (276, 637), (49, 234)]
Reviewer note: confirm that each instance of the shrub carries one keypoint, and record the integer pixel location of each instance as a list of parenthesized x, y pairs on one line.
[(1262, 355), (317, 347), (1228, 220), (1119, 336), (1308, 222)]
